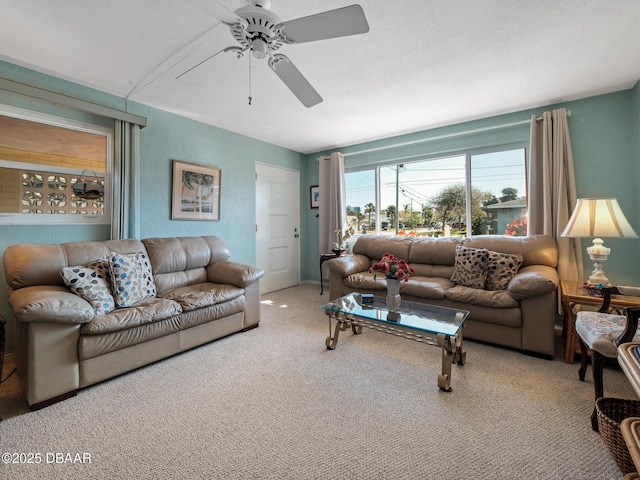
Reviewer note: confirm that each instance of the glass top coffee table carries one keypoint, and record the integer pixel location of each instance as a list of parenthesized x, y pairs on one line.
[(424, 323)]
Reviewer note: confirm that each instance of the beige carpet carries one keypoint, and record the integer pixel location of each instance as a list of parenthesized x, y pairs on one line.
[(274, 403)]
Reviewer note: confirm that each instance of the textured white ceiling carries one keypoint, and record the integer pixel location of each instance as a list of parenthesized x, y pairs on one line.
[(424, 63)]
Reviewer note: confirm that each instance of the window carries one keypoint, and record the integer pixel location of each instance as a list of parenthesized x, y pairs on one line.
[(478, 193), (498, 181), (52, 170), (360, 194)]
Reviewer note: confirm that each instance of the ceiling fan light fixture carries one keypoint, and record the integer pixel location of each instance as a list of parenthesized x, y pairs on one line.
[(259, 47)]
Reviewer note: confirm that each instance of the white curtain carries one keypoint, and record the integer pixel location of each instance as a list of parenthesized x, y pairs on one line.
[(125, 210), (552, 188), (332, 199)]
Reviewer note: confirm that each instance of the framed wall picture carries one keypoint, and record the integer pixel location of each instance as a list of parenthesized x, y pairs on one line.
[(314, 196), (196, 192)]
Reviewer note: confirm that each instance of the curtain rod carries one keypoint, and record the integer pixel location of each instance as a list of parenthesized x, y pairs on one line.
[(539, 119), (70, 102), (442, 137)]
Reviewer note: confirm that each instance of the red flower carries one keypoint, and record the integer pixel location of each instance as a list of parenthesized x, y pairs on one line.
[(392, 267)]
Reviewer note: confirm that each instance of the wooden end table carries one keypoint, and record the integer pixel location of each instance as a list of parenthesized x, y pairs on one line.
[(572, 294), (323, 258)]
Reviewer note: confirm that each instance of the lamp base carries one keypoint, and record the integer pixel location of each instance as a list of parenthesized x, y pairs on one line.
[(598, 279), (598, 254)]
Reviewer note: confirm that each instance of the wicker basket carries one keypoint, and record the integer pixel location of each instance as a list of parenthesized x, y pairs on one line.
[(611, 412)]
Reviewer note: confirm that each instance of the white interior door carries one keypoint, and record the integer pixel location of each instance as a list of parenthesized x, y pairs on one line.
[(277, 226)]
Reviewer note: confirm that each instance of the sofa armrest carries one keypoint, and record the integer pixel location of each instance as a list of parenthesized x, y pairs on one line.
[(234, 273), (532, 281), (349, 264), (49, 303)]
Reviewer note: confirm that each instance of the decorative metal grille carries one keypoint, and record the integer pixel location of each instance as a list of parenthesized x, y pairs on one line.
[(46, 192)]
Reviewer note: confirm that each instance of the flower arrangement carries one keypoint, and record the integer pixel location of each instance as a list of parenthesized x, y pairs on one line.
[(518, 227), (392, 268), (341, 238)]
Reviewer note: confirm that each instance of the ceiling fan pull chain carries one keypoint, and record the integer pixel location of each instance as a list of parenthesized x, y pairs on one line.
[(250, 98)]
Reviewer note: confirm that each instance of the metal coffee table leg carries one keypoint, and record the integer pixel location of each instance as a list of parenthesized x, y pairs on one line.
[(341, 325), (452, 352)]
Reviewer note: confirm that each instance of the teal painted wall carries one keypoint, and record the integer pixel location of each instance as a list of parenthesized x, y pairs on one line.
[(606, 161), (605, 137), (166, 137)]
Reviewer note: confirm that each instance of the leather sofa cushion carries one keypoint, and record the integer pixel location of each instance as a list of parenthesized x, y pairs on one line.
[(235, 273), (434, 251), (34, 264), (213, 312), (374, 246), (178, 254), (535, 249), (149, 310), (532, 281), (49, 303), (486, 298), (425, 287), (192, 297), (433, 288), (168, 281), (90, 346), (365, 281)]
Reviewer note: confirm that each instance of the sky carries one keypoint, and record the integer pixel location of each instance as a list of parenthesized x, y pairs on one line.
[(419, 181)]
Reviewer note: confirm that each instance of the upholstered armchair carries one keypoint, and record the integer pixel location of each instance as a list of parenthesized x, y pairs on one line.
[(602, 332)]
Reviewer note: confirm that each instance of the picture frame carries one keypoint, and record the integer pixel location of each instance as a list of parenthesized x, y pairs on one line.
[(314, 196), (195, 192)]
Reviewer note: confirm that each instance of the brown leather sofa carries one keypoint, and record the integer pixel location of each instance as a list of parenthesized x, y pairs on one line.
[(521, 316), (61, 343)]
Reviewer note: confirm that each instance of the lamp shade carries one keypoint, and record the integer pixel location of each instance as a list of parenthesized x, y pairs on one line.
[(598, 217)]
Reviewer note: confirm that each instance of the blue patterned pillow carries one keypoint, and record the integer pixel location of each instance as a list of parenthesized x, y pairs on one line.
[(131, 278), (91, 282)]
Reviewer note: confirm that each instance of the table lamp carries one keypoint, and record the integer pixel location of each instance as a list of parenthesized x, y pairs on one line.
[(598, 217)]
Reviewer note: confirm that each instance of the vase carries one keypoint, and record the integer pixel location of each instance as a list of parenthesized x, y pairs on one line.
[(393, 294)]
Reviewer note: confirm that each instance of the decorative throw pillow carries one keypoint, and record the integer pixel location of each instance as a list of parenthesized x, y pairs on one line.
[(131, 278), (501, 268), (91, 282), (470, 266)]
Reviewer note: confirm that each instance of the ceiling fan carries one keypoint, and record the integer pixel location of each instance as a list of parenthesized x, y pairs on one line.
[(261, 32)]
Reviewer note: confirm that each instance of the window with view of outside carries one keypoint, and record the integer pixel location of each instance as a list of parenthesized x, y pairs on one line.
[(433, 198)]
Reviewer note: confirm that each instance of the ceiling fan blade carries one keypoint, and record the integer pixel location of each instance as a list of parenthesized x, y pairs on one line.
[(217, 10), (293, 79), (331, 24)]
